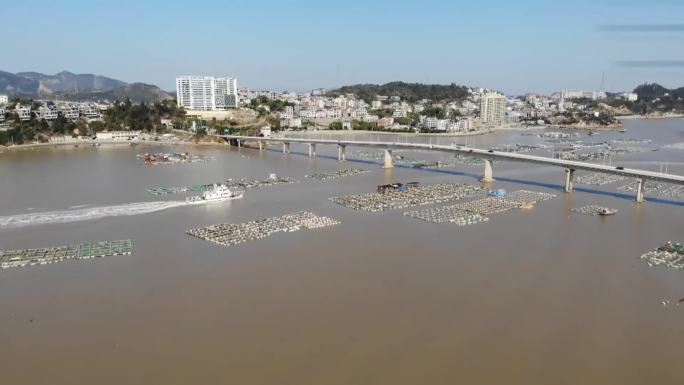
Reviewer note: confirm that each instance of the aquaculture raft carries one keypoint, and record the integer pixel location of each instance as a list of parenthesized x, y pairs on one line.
[(337, 174), (659, 188), (44, 256), (228, 234), (599, 179), (399, 199), (468, 213), (594, 210), (239, 184), (669, 255), (175, 158)]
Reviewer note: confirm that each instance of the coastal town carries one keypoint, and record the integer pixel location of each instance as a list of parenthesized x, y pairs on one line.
[(359, 192), (208, 105)]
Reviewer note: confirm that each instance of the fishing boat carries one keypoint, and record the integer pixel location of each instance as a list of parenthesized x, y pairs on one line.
[(218, 193), (606, 211)]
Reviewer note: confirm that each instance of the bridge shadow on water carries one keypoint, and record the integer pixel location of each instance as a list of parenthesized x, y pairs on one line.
[(524, 182)]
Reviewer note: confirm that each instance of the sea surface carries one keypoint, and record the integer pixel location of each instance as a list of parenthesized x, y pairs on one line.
[(542, 296)]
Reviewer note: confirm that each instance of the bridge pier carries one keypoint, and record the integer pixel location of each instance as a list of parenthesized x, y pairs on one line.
[(569, 174), (286, 147), (261, 145), (388, 162), (239, 143), (341, 152), (488, 175), (312, 150), (640, 191)]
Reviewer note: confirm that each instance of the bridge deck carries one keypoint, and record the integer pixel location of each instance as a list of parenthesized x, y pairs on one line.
[(485, 154)]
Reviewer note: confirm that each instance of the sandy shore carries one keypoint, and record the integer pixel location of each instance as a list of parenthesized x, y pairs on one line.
[(30, 146)]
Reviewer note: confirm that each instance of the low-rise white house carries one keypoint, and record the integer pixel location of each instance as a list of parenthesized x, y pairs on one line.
[(359, 113), (47, 112), (69, 111), (435, 124), (24, 112), (117, 136), (89, 111), (291, 122), (630, 96), (4, 99)]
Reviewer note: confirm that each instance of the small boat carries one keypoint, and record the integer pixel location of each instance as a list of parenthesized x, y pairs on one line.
[(218, 193), (606, 211), (527, 205)]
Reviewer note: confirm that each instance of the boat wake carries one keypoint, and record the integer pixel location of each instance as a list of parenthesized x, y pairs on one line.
[(85, 214)]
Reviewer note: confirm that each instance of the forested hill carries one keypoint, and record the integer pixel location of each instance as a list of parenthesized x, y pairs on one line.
[(410, 92), (653, 90)]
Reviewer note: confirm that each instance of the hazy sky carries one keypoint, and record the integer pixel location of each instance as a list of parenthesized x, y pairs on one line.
[(510, 45)]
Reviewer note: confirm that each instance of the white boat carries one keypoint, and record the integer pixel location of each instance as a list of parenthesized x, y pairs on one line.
[(218, 193)]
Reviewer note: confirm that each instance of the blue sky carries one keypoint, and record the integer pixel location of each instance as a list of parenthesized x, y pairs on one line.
[(508, 45)]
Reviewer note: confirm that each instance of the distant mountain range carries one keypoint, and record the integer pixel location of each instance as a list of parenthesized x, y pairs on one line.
[(70, 86)]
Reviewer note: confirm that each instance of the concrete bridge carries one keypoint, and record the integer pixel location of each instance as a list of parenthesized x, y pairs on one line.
[(488, 156)]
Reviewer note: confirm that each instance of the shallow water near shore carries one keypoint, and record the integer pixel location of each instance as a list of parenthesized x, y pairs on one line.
[(536, 296)]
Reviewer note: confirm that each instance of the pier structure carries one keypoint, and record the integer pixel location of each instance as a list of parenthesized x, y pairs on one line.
[(388, 161), (341, 152), (488, 174), (640, 190), (569, 177)]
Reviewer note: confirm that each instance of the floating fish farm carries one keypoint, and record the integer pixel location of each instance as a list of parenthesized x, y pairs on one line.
[(447, 214), (661, 189), (398, 159), (400, 199), (175, 158), (337, 174), (516, 147), (529, 197), (179, 189), (488, 206), (229, 234), (468, 213), (240, 183), (44, 256), (599, 179), (471, 160), (243, 183), (594, 210), (669, 255)]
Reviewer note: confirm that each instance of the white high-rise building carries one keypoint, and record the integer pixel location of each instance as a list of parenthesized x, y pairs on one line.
[(3, 99), (206, 92), (492, 109)]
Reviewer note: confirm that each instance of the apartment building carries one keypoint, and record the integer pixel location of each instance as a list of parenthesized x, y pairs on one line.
[(492, 109), (207, 92)]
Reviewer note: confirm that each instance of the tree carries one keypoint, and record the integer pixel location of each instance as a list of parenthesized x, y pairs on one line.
[(60, 125)]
